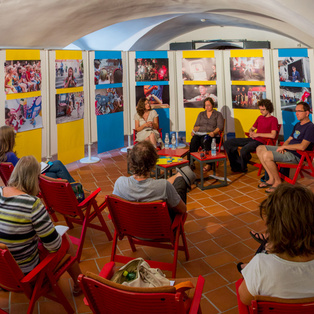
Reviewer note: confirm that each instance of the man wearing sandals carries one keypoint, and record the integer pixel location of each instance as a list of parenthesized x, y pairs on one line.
[(142, 188), (301, 138), (266, 126)]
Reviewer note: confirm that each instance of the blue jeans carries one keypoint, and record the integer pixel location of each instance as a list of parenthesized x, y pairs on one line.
[(58, 171)]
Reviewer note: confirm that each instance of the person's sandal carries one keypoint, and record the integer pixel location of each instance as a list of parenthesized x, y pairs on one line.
[(259, 237), (239, 267)]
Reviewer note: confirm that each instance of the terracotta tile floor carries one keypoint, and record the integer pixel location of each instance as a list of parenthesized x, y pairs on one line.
[(217, 230)]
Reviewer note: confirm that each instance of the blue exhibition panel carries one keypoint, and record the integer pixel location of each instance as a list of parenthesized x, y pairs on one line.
[(164, 122), (110, 131)]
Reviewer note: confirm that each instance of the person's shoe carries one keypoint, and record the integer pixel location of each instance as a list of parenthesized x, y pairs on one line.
[(187, 174), (77, 290)]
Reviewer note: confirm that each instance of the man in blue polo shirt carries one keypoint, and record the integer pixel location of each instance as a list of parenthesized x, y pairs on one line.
[(301, 138)]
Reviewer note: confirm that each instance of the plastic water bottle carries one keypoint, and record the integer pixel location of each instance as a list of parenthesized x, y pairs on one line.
[(173, 141), (213, 147), (167, 140)]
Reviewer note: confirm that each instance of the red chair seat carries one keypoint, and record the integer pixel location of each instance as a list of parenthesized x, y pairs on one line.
[(104, 296), (146, 224), (58, 196)]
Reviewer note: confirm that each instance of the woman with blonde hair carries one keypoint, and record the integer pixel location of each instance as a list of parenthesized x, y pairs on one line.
[(146, 123), (25, 226), (7, 142)]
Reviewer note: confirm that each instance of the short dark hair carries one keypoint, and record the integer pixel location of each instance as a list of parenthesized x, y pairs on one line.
[(289, 216), (267, 104), (306, 106), (210, 100), (142, 158)]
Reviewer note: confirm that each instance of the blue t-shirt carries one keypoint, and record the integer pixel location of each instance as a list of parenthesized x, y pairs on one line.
[(302, 132), (11, 157)]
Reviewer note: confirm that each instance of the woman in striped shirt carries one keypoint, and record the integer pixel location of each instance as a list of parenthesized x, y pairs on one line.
[(25, 226)]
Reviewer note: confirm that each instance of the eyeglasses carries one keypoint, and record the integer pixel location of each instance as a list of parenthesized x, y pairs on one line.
[(300, 111)]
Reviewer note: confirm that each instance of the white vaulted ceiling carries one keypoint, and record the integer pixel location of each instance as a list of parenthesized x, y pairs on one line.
[(144, 24)]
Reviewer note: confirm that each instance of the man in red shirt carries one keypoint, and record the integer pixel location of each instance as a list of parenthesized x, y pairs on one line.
[(266, 126)]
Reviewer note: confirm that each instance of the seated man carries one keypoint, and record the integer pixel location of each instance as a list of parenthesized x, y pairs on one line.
[(141, 188), (266, 126), (301, 138)]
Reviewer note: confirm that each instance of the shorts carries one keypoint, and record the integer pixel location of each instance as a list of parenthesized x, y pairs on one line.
[(285, 157)]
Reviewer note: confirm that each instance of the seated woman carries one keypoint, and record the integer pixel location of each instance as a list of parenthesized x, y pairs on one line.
[(146, 123), (287, 271), (27, 230), (207, 127), (7, 142)]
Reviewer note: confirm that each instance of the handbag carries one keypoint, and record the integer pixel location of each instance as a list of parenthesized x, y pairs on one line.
[(138, 273)]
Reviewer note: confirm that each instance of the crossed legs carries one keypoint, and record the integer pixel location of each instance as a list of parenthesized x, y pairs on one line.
[(152, 139)]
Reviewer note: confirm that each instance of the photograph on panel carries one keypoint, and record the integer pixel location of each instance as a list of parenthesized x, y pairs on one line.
[(69, 107), (108, 71), (202, 69), (294, 69), (69, 73), (247, 96), (247, 69), (22, 76), (290, 96), (158, 95), (108, 100), (194, 95), (151, 70), (24, 114)]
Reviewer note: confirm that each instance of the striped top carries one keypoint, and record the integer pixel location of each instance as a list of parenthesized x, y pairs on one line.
[(23, 220)]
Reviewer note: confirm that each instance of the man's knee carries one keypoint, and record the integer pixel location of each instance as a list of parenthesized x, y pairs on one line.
[(229, 144), (268, 156), (260, 149)]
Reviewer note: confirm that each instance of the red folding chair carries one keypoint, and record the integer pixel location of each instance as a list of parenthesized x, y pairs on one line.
[(305, 165), (146, 224), (58, 195), (6, 169), (269, 141), (105, 296), (269, 305), (39, 282)]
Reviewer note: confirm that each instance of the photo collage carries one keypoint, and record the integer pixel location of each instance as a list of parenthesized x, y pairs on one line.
[(70, 105), (199, 69), (154, 73), (108, 99)]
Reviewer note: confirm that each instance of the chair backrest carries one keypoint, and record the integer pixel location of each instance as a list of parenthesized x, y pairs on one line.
[(106, 298), (6, 169), (10, 273), (142, 220), (274, 141), (58, 195), (264, 305)]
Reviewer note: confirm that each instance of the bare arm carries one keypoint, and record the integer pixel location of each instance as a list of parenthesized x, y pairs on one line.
[(180, 208), (156, 123), (302, 146), (139, 128), (214, 133), (245, 296), (272, 134)]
